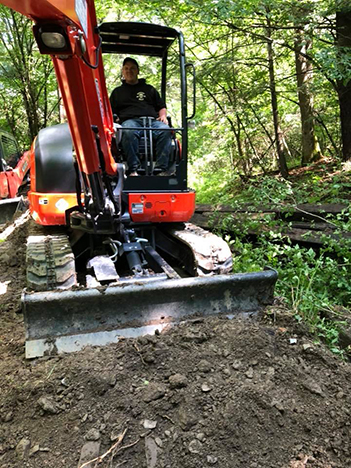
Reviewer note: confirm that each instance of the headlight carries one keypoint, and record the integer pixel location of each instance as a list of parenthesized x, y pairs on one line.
[(53, 40)]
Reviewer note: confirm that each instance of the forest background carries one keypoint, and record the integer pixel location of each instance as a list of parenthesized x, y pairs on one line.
[(273, 94)]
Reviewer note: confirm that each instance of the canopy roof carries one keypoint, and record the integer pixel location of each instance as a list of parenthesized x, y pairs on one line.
[(136, 38)]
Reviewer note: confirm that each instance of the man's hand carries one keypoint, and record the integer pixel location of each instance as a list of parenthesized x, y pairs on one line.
[(162, 116)]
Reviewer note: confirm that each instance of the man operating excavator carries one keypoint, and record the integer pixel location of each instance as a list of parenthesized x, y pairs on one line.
[(133, 100)]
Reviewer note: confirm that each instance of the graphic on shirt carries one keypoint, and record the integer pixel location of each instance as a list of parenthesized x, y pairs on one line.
[(141, 96)]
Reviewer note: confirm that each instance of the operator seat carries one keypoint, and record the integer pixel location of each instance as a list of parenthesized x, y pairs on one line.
[(147, 150)]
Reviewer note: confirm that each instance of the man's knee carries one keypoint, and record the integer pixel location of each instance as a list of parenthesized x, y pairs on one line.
[(130, 130), (128, 134)]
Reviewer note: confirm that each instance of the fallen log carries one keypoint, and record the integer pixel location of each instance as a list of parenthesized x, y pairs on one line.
[(304, 223)]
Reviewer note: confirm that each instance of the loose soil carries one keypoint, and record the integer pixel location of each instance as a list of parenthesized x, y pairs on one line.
[(214, 392)]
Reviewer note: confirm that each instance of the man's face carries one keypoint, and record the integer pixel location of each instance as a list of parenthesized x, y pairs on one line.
[(130, 72)]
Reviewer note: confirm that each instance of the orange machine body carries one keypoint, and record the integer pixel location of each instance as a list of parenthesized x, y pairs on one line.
[(49, 209), (11, 179)]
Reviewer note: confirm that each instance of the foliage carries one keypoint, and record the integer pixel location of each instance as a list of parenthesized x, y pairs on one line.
[(227, 42), (324, 182), (28, 89), (313, 283)]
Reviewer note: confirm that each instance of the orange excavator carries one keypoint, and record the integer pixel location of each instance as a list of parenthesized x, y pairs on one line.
[(14, 176), (115, 255)]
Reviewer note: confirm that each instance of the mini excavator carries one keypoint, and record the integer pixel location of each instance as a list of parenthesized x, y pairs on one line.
[(111, 255), (14, 174)]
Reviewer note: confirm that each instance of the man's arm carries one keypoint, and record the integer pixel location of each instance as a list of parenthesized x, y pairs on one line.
[(162, 115)]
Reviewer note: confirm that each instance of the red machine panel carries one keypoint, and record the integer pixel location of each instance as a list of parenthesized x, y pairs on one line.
[(161, 207), (48, 209)]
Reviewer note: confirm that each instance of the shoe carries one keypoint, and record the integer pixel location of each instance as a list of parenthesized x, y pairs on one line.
[(134, 174), (165, 174)]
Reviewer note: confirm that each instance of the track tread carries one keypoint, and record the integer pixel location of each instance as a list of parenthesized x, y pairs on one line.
[(212, 254), (50, 263)]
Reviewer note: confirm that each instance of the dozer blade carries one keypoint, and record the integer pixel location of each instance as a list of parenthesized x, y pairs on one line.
[(8, 208), (66, 321)]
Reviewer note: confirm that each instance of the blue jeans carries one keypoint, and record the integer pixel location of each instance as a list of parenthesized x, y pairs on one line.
[(130, 143)]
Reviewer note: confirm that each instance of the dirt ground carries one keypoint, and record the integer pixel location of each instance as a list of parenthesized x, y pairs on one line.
[(215, 392)]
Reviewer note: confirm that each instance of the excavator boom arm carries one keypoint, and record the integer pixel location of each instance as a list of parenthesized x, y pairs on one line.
[(67, 30)]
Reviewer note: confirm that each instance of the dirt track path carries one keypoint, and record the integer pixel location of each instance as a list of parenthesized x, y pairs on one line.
[(212, 393)]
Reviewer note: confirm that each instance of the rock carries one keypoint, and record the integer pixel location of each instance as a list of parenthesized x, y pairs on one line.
[(115, 434), (154, 392), (204, 366), (159, 442), (13, 261), (178, 381), (196, 337), (135, 412), (340, 395), (278, 404), (313, 387), (142, 340), (306, 346), (149, 358), (111, 379), (147, 424), (22, 449), (200, 436), (89, 451), (151, 452), (186, 420), (211, 460), (236, 365), (249, 373), (93, 434), (5, 257), (48, 405), (8, 416), (195, 446), (101, 383), (151, 339), (205, 387), (64, 382), (34, 450)]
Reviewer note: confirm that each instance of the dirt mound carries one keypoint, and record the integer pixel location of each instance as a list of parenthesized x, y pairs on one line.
[(214, 392)]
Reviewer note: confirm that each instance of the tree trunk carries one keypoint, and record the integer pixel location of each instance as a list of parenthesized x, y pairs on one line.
[(304, 74), (26, 73), (343, 30), (277, 129)]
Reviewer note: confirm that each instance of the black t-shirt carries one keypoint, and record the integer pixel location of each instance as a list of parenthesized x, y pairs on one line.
[(133, 101)]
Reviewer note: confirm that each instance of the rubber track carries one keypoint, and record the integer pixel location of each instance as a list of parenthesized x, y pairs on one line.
[(50, 263), (212, 253)]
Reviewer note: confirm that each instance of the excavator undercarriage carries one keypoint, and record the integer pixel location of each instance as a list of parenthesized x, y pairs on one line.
[(195, 281)]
